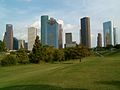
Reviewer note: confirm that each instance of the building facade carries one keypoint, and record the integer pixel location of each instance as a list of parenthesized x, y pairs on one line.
[(44, 22), (32, 33), (99, 40), (52, 33), (21, 44), (8, 37), (115, 34), (60, 36), (15, 43), (85, 32), (68, 38), (108, 33)]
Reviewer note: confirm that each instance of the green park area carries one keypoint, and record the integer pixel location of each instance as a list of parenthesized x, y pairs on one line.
[(93, 73)]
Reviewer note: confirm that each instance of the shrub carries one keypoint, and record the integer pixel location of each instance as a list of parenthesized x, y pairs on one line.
[(22, 56), (9, 60)]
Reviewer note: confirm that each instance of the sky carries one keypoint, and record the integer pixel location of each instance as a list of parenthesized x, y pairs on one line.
[(25, 13)]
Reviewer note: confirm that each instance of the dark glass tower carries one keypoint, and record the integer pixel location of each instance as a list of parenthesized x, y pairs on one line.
[(85, 32), (99, 40), (8, 37)]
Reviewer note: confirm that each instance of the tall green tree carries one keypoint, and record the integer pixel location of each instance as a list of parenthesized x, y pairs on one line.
[(36, 54)]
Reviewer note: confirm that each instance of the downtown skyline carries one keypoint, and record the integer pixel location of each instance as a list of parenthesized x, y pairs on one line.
[(25, 13)]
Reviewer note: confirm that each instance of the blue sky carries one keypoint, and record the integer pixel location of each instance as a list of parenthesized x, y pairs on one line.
[(25, 13)]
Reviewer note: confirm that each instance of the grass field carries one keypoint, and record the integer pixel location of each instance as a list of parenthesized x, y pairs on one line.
[(93, 73)]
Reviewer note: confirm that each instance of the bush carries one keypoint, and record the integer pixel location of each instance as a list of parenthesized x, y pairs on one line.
[(22, 56), (8, 60)]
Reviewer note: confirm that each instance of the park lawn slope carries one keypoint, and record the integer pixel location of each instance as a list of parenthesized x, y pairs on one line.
[(93, 73)]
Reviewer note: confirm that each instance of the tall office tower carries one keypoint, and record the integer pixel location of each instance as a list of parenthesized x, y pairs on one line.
[(85, 32), (68, 38), (52, 33), (21, 44), (60, 36), (108, 33), (115, 31), (8, 37), (44, 22), (99, 40), (32, 33), (15, 43)]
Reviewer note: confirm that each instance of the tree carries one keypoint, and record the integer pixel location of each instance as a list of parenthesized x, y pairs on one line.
[(22, 56), (59, 55), (36, 54), (2, 46)]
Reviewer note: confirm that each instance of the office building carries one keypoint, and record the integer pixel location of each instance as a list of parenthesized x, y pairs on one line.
[(8, 37), (85, 32), (52, 33), (115, 34), (99, 40), (108, 33), (68, 38), (44, 22), (60, 36), (15, 43), (21, 44), (32, 33)]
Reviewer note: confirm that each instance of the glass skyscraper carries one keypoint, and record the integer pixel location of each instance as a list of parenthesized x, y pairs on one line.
[(108, 33), (44, 20), (52, 33)]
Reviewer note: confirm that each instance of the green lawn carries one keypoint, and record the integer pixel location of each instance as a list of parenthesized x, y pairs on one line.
[(93, 73)]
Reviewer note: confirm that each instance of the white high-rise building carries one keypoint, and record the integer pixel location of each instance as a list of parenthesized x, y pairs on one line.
[(32, 33)]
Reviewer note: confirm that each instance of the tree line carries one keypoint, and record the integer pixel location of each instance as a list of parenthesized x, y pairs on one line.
[(44, 53)]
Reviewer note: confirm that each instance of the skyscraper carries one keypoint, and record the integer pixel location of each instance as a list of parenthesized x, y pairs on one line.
[(99, 40), (52, 33), (21, 43), (108, 33), (68, 38), (32, 33), (60, 36), (115, 34), (15, 43), (44, 22), (8, 37), (85, 32)]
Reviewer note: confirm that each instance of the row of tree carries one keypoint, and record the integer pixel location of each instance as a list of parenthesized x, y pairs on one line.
[(45, 53)]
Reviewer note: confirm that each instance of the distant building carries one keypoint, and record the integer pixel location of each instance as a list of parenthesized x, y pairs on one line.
[(108, 33), (69, 42), (26, 45), (99, 40), (51, 32), (60, 36), (44, 22), (21, 43), (32, 33), (85, 32), (8, 37), (15, 43), (68, 38), (115, 34)]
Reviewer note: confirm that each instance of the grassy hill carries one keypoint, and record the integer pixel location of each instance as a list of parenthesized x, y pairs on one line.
[(93, 73)]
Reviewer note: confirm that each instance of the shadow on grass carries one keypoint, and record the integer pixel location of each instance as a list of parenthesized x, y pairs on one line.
[(114, 83), (38, 87)]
